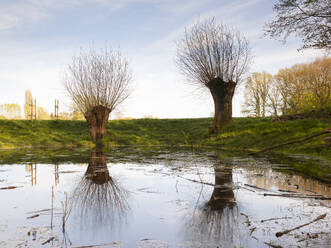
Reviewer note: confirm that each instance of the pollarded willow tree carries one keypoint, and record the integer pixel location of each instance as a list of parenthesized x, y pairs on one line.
[(215, 57), (98, 82)]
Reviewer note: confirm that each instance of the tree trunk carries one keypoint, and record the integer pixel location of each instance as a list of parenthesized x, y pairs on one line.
[(223, 195), (222, 93), (97, 169), (97, 120)]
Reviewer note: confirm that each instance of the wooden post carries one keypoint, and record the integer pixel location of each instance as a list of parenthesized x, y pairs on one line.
[(56, 174), (35, 109), (31, 167), (35, 174), (56, 109), (31, 109)]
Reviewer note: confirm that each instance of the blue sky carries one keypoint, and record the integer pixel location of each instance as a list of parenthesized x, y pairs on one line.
[(39, 37)]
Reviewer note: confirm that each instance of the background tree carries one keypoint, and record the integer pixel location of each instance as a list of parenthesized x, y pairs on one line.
[(305, 87), (292, 87), (97, 84), (319, 81), (76, 114), (10, 111), (27, 102), (65, 115), (274, 99), (42, 114), (300, 88), (256, 94), (215, 57), (308, 19)]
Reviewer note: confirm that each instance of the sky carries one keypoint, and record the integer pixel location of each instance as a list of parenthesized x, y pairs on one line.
[(38, 39)]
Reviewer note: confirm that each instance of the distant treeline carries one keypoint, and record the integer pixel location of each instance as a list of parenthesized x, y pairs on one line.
[(14, 111), (301, 88)]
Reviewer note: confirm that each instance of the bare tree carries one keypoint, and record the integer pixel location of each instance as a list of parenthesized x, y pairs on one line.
[(318, 77), (309, 19), (256, 93), (97, 84), (99, 200), (215, 57), (305, 86), (274, 99), (217, 218), (10, 111)]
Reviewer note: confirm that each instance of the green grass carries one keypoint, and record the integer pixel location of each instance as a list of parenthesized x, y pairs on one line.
[(21, 133), (245, 135)]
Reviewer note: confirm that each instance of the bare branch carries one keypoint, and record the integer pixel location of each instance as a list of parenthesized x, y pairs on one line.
[(98, 79), (209, 51), (308, 19)]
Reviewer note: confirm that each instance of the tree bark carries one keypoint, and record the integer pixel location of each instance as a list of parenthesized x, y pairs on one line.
[(97, 169), (223, 195), (222, 93), (97, 120)]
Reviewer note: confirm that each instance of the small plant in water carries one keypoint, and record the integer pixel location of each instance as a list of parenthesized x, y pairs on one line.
[(66, 209)]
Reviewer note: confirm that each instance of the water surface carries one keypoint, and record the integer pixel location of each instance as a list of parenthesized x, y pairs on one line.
[(169, 199)]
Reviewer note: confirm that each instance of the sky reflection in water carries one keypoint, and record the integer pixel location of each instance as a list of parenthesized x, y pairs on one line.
[(151, 204)]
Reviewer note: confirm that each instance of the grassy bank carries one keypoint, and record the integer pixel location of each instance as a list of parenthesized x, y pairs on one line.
[(246, 134)]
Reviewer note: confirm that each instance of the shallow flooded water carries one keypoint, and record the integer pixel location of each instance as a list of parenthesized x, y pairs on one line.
[(177, 199)]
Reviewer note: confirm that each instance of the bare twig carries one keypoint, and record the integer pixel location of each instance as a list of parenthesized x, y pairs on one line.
[(252, 230), (52, 208), (279, 234), (247, 189), (281, 218), (48, 240), (247, 219), (66, 211), (11, 187), (309, 236), (317, 197), (255, 187), (39, 211), (195, 181), (273, 246), (33, 216), (292, 141), (99, 245)]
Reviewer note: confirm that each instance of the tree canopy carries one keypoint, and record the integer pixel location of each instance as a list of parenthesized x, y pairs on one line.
[(210, 50), (98, 79), (308, 19), (300, 88)]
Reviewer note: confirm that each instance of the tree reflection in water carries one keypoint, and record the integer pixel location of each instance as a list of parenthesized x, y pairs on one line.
[(99, 198), (217, 220)]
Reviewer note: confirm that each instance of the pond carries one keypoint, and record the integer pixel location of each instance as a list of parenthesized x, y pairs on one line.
[(158, 199)]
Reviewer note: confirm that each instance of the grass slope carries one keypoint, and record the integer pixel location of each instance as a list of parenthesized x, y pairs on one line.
[(246, 134), (22, 133)]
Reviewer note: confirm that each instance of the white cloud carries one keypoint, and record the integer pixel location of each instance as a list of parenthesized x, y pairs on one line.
[(7, 21)]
